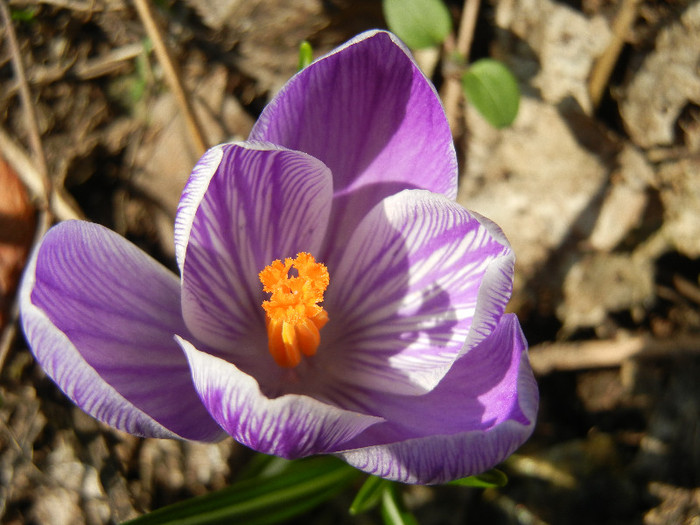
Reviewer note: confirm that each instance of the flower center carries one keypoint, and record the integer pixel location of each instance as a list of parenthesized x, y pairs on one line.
[(294, 318)]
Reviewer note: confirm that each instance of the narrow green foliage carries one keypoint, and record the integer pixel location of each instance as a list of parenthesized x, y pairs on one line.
[(369, 495), (393, 510), (262, 466), (306, 54), (143, 75), (492, 89), (23, 15), (419, 23), (261, 500), (490, 479)]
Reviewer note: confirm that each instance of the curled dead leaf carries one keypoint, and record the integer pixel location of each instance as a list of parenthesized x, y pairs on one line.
[(17, 223)]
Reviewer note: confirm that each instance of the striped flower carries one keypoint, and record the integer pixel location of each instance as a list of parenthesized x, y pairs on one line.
[(333, 297)]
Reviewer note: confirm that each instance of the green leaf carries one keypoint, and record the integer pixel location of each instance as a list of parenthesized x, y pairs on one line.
[(369, 495), (306, 54), (493, 91), (261, 500), (23, 15), (262, 466), (419, 23), (393, 511), (490, 479)]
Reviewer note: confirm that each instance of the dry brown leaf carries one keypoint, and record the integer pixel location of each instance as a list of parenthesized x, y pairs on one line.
[(665, 84), (625, 200), (16, 233), (680, 195), (564, 42), (266, 33), (534, 179), (600, 283)]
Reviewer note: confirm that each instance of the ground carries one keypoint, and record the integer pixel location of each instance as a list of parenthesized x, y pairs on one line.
[(596, 184)]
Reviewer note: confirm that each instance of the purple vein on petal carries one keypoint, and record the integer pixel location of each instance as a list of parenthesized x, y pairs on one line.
[(263, 203), (372, 117), (408, 296), (101, 315)]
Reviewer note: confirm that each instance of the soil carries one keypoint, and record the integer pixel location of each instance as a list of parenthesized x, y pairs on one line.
[(596, 184)]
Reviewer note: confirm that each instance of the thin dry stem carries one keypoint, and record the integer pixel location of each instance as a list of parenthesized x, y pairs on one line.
[(87, 6), (61, 207), (452, 94), (171, 75), (466, 28), (25, 97), (547, 358), (600, 76)]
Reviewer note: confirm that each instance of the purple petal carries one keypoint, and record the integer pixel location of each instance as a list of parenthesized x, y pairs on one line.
[(100, 317), (261, 203), (420, 282), (192, 195), (290, 426), (372, 117), (482, 411)]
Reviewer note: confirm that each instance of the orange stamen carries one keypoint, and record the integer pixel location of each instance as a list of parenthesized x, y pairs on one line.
[(294, 317)]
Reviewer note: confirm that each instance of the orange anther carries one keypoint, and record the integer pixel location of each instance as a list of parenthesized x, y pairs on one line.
[(294, 317)]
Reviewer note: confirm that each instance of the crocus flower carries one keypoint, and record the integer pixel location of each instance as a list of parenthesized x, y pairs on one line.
[(333, 298)]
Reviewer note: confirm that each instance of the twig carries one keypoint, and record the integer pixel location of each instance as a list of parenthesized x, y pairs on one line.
[(89, 6), (605, 64), (25, 96), (171, 75), (61, 208), (686, 288), (9, 332), (42, 75), (108, 63), (547, 358), (453, 88), (466, 27), (105, 64)]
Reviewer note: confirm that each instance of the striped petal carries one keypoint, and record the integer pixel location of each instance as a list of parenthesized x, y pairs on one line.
[(372, 117), (483, 410), (290, 426), (256, 204), (100, 317), (192, 195), (420, 282)]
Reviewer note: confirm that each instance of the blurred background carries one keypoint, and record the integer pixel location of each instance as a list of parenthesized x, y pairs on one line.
[(596, 184)]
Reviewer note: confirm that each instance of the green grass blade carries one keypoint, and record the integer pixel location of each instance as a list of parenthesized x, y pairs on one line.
[(369, 495), (306, 55), (261, 500), (490, 479), (393, 511)]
